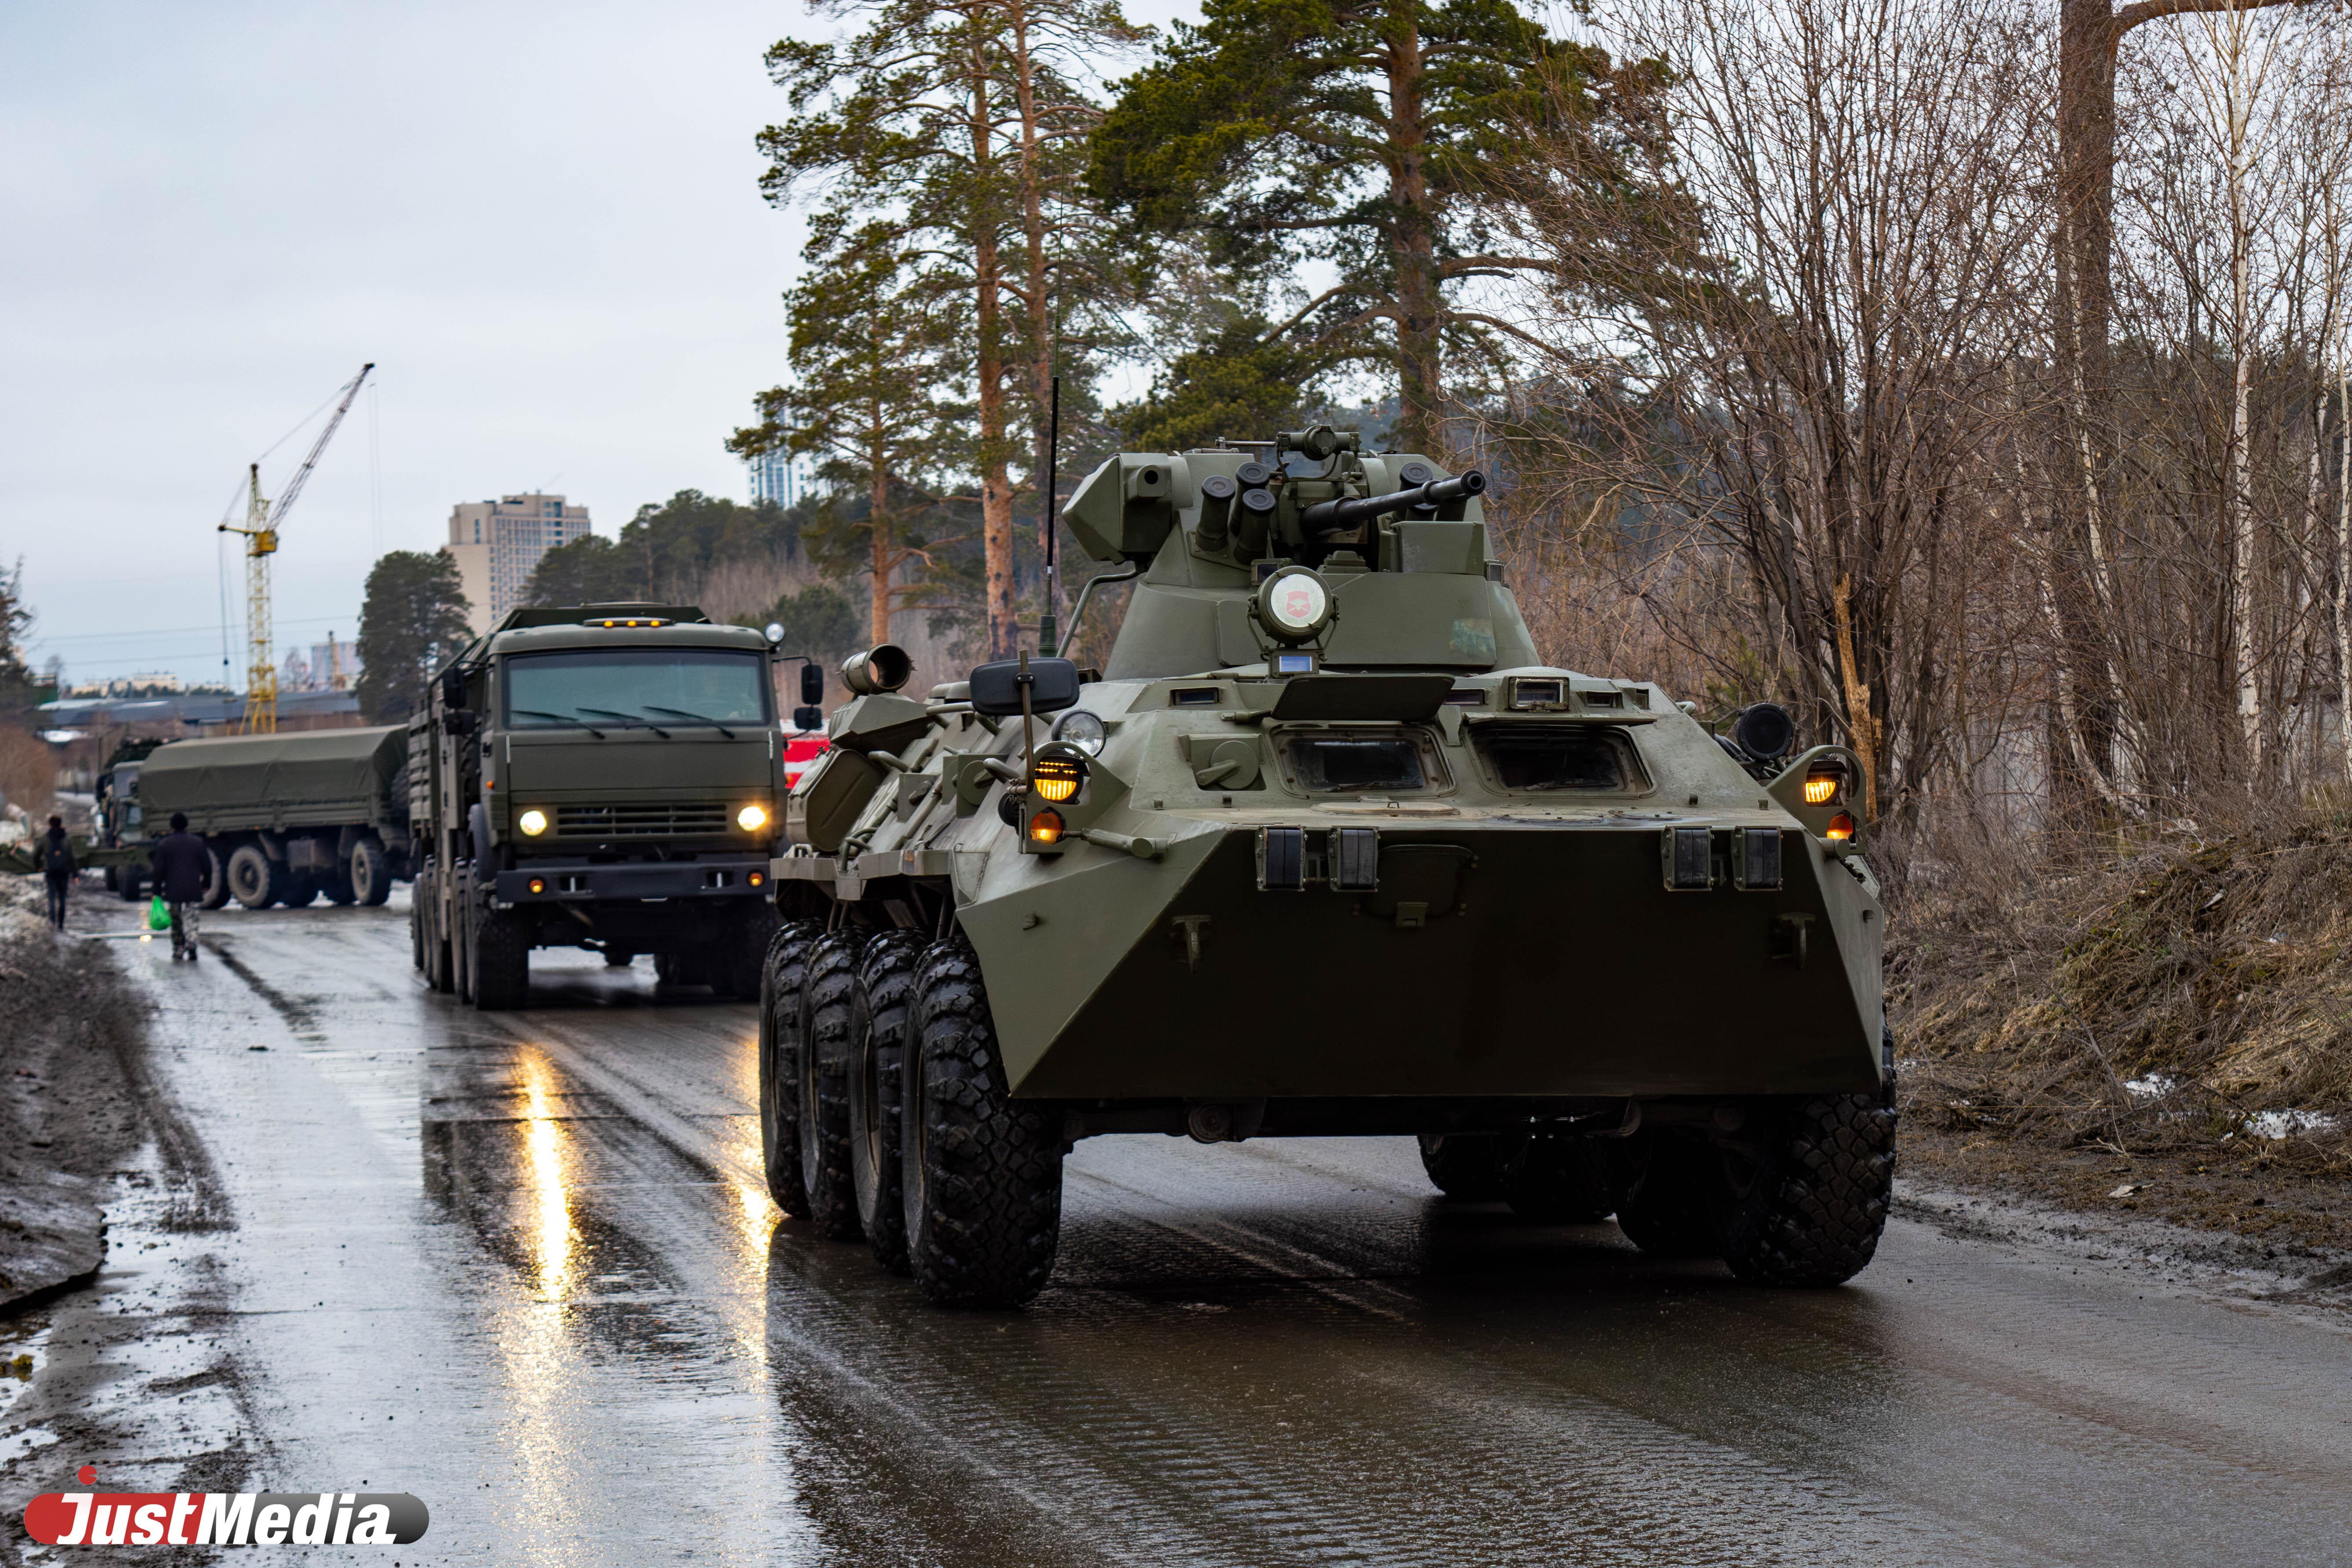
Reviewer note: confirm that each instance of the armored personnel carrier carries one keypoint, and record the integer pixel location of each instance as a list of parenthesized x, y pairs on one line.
[(1323, 848)]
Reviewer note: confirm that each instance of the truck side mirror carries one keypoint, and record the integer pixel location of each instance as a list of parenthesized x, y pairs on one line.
[(811, 685), (996, 688), (462, 720), (453, 688)]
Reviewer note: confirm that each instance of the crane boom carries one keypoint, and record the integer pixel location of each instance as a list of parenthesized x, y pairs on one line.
[(262, 521)]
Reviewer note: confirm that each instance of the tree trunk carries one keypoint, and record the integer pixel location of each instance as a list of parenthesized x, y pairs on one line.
[(1040, 309), (880, 529), (1419, 309), (988, 319)]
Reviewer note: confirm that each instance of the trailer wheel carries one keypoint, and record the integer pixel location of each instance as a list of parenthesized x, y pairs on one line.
[(877, 1035), (827, 1048), (1465, 1166), (216, 879), (1810, 1209), (983, 1171), (1672, 1202), (371, 873), (255, 880), (786, 972), (1560, 1179)]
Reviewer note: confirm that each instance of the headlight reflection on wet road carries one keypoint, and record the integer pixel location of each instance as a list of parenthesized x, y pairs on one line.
[(543, 1148)]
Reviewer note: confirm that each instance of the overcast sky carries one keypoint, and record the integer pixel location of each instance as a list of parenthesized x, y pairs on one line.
[(540, 221)]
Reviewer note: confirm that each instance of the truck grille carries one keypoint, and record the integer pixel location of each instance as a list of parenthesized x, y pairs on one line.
[(651, 819)]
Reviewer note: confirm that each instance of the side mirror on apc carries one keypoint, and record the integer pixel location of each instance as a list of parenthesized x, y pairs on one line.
[(996, 688)]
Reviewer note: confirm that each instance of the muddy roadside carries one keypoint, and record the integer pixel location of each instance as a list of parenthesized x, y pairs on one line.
[(117, 1310)]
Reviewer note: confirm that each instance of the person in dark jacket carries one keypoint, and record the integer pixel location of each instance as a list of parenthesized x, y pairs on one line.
[(183, 866), (57, 868)]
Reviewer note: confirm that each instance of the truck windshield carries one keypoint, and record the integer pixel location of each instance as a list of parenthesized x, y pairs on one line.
[(664, 688)]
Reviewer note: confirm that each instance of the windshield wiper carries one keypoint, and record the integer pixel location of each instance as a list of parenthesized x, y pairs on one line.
[(563, 719), (629, 718), (689, 713)]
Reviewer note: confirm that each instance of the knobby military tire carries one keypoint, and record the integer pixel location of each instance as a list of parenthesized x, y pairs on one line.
[(878, 1032), (779, 1026), (500, 970), (827, 1048), (738, 969), (1813, 1208), (1465, 1166), (301, 890), (255, 880), (216, 886), (1675, 1195), (1560, 1179), (983, 1171), (371, 873)]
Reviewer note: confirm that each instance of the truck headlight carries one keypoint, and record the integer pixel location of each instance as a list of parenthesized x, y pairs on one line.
[(533, 822), (752, 818)]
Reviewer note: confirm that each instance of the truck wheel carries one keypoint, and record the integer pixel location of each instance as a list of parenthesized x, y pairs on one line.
[(337, 886), (371, 872), (216, 882), (255, 880), (301, 890), (1810, 1209), (780, 1034), (983, 1171), (619, 957), (126, 882), (1560, 1179), (501, 966), (1465, 1166), (1673, 1198), (827, 997), (878, 1033), (737, 968)]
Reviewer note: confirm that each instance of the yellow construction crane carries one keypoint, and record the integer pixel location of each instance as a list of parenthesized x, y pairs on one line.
[(262, 521)]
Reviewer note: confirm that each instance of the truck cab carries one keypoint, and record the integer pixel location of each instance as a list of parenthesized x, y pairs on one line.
[(607, 777)]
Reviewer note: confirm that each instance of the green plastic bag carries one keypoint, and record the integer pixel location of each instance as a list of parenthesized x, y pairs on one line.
[(159, 914)]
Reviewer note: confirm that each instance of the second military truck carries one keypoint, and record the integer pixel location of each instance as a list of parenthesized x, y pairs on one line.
[(605, 777)]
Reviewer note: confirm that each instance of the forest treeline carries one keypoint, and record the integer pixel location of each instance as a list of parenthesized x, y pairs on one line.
[(1970, 376)]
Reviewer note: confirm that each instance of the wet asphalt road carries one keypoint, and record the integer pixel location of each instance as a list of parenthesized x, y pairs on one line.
[(522, 1266)]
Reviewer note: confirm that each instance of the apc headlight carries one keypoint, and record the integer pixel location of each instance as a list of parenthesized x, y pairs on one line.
[(1057, 776), (1083, 730), (533, 822), (752, 818)]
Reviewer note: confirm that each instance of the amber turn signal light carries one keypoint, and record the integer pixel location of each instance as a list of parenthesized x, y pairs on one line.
[(757, 877), (1057, 777), (538, 884), (1841, 828), (1822, 788), (1045, 827)]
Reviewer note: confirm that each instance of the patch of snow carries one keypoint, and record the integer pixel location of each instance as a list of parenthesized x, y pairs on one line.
[(2152, 1087), (2288, 1123)]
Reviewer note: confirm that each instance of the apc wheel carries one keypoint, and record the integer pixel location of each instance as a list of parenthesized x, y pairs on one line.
[(1810, 1209), (371, 873), (1465, 1166), (827, 999), (877, 1033), (983, 1171), (1674, 1199), (216, 880), (255, 880), (1560, 1179), (786, 973)]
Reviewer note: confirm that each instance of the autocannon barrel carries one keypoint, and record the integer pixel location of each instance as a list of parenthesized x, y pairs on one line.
[(1335, 516)]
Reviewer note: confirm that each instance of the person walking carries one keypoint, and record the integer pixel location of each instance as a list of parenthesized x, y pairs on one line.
[(183, 868), (57, 867)]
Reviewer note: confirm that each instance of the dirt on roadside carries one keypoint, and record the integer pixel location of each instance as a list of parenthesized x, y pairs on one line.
[(2161, 1028)]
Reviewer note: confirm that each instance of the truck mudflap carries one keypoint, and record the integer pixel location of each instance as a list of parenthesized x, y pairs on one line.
[(1481, 960), (559, 881)]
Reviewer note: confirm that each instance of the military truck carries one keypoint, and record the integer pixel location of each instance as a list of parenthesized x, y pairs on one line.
[(1323, 848), (118, 827), (286, 818), (607, 777)]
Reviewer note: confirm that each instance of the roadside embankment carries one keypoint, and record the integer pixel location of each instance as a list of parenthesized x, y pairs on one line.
[(2165, 1032), (66, 1017)]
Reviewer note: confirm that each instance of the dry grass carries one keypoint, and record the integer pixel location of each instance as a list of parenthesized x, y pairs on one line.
[(29, 771), (2028, 991)]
